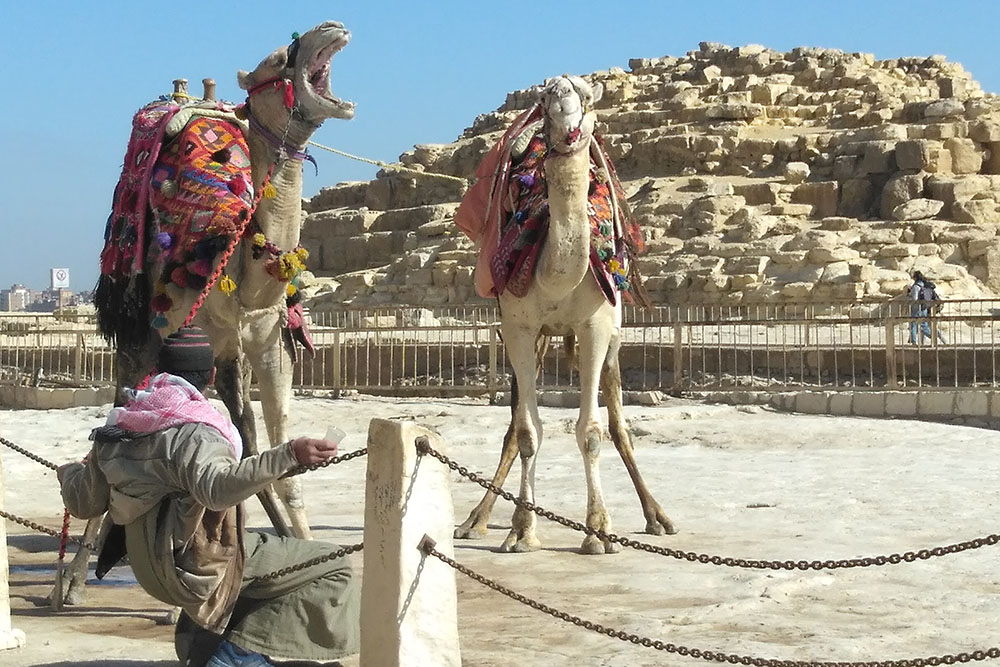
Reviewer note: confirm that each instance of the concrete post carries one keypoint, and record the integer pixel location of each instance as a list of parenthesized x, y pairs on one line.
[(409, 615), (9, 637)]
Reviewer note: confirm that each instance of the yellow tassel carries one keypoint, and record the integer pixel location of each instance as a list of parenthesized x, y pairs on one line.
[(290, 290), (269, 191), (227, 285)]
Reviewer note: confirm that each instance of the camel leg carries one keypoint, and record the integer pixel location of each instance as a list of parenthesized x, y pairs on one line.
[(475, 526), (232, 381), (75, 575), (527, 434), (131, 366), (273, 366), (593, 345), (657, 522)]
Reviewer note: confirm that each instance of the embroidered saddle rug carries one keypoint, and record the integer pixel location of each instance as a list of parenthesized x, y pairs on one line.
[(510, 219), (187, 173)]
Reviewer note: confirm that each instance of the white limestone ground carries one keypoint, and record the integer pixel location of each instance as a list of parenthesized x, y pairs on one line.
[(741, 482)]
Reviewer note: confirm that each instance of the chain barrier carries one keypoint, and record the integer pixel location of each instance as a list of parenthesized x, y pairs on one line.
[(33, 457), (27, 523), (386, 165), (273, 575), (354, 548), (427, 546), (298, 470), (424, 447)]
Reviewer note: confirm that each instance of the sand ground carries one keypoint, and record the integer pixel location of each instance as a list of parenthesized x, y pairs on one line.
[(739, 481)]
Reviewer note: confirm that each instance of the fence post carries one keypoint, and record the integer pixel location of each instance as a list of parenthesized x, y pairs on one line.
[(9, 637), (492, 382), (78, 358), (890, 352), (409, 603), (336, 363), (678, 354)]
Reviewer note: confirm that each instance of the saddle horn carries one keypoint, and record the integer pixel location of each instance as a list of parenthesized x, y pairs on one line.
[(180, 87)]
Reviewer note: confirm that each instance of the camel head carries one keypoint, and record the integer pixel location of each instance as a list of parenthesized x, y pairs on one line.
[(568, 104), (292, 85)]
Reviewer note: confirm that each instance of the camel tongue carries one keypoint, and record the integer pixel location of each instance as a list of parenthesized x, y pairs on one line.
[(572, 136)]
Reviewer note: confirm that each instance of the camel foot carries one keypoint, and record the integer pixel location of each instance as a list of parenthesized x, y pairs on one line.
[(594, 546), (660, 525), (474, 528), (520, 544), (71, 595)]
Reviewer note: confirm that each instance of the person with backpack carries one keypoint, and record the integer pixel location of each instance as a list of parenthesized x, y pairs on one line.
[(923, 296)]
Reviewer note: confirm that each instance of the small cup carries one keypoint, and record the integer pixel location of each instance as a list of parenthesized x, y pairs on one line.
[(335, 434)]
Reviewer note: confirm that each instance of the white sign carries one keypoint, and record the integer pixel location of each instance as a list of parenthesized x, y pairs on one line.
[(60, 278)]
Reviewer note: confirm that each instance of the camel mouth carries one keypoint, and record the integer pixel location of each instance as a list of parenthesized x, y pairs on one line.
[(318, 73), (316, 76)]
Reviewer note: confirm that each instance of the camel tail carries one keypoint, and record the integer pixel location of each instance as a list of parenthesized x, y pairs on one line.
[(123, 310)]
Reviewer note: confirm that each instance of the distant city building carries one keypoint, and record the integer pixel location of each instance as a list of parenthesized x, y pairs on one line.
[(18, 297)]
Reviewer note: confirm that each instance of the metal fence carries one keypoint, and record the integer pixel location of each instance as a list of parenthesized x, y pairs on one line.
[(443, 351)]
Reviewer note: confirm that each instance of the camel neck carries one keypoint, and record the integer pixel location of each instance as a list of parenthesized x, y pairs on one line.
[(565, 257)]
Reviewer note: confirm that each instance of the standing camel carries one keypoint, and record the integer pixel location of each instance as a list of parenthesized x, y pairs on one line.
[(288, 98), (568, 294)]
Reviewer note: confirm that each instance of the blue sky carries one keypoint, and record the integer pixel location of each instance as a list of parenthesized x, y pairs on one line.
[(74, 73)]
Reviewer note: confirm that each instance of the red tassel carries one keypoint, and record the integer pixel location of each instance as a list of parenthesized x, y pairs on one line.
[(179, 276), (161, 303), (201, 267), (237, 185), (289, 94)]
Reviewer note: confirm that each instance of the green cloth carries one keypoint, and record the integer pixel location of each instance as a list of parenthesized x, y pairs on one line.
[(312, 614)]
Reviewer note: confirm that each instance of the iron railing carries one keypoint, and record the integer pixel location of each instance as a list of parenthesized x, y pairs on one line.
[(458, 350)]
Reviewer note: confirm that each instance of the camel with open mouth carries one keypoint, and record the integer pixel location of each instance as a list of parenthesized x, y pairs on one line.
[(288, 98)]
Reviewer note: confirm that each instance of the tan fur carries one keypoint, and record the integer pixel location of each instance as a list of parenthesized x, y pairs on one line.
[(245, 327), (564, 300)]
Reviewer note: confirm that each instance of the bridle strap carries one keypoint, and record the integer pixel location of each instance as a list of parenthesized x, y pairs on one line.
[(277, 143), (275, 82)]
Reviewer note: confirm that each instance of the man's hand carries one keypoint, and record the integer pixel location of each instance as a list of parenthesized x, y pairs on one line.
[(313, 450)]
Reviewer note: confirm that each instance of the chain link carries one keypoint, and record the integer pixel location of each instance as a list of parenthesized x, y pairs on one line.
[(702, 654), (354, 548), (27, 523), (424, 447), (329, 462), (33, 457)]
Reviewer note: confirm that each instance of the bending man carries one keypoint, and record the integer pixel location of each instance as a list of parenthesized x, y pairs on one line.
[(168, 467)]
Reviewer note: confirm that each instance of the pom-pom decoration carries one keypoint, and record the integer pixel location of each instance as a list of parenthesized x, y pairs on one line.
[(227, 285)]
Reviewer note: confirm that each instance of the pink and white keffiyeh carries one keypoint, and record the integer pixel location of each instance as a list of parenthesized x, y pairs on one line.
[(171, 401)]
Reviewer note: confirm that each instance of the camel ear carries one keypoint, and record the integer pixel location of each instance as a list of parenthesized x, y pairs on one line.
[(597, 90), (243, 79)]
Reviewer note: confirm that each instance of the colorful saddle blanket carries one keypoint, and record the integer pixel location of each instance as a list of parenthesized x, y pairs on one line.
[(524, 230), (201, 193), (124, 235), (506, 213), (187, 173)]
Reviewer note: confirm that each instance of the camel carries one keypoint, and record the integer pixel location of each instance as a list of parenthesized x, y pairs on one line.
[(288, 98), (563, 298)]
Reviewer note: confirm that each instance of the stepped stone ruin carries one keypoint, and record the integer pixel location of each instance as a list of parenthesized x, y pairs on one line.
[(758, 176)]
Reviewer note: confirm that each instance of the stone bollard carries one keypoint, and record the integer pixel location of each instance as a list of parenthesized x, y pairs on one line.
[(9, 637), (409, 615)]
